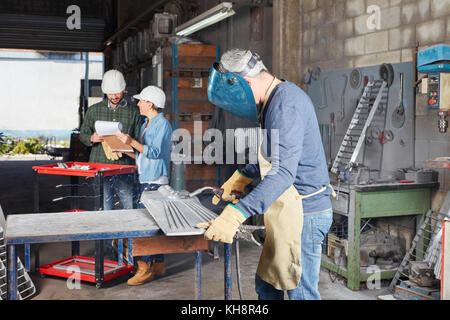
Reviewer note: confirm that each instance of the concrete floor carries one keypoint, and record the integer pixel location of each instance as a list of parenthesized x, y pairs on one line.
[(179, 281)]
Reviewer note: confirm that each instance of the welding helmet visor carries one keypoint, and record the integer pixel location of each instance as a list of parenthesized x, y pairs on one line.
[(231, 92)]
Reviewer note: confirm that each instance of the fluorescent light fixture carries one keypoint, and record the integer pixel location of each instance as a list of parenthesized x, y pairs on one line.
[(213, 15)]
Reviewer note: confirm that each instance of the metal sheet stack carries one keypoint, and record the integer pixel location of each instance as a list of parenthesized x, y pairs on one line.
[(25, 287), (175, 212)]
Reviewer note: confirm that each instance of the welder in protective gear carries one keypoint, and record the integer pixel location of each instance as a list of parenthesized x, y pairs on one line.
[(294, 193)]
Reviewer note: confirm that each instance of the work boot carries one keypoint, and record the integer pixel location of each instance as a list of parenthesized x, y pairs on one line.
[(143, 274), (159, 268)]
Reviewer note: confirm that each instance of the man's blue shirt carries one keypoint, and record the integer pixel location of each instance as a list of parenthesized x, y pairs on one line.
[(300, 160)]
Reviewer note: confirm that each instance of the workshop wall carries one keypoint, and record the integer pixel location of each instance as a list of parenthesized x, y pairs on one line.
[(338, 34)]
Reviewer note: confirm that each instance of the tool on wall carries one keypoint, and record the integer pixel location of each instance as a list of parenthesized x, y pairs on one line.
[(398, 115), (386, 136), (342, 113), (331, 132), (387, 73), (324, 94), (355, 78)]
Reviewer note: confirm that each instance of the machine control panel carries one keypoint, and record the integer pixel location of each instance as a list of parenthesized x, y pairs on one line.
[(434, 90)]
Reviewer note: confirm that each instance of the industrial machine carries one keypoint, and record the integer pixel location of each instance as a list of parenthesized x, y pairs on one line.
[(433, 62)]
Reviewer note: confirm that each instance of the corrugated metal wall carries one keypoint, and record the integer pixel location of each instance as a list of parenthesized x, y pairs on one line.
[(43, 24), (50, 33)]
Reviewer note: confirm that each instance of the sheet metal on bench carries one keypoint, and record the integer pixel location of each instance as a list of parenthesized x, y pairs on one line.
[(176, 213)]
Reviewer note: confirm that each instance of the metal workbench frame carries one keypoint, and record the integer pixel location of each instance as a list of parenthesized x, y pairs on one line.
[(71, 226), (376, 201)]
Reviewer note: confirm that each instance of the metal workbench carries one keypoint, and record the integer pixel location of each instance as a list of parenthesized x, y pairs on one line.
[(26, 229), (357, 202)]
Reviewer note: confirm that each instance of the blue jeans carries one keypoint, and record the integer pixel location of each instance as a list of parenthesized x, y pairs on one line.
[(124, 186), (148, 187), (315, 227)]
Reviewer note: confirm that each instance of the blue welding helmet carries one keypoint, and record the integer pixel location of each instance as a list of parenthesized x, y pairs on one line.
[(231, 92)]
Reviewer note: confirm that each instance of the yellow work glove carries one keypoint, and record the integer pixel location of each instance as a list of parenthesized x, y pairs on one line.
[(237, 182), (109, 153), (224, 227)]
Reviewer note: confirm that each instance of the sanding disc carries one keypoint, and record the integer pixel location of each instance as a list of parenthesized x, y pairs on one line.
[(387, 73), (355, 78)]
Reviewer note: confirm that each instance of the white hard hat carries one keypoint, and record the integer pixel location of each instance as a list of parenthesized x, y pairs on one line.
[(113, 82), (152, 94)]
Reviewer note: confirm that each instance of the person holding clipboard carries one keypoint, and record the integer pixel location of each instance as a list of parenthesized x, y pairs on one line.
[(152, 154)]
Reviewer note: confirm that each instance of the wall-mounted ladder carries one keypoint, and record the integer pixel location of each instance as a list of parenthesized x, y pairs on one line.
[(375, 94)]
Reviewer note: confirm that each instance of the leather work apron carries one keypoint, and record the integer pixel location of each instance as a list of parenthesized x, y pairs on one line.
[(280, 261)]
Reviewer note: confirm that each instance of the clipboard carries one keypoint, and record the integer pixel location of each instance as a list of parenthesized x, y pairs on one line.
[(107, 130), (116, 145)]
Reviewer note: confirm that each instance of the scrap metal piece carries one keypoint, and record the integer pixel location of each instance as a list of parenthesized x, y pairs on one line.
[(421, 273)]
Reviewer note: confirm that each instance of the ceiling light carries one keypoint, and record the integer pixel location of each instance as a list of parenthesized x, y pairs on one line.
[(213, 15)]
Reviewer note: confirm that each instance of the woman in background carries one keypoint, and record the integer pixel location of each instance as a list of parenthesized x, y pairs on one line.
[(152, 154)]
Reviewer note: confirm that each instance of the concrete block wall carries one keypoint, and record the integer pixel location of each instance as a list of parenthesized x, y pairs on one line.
[(347, 33), (338, 34)]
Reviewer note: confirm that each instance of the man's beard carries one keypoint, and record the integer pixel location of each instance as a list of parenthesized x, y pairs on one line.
[(118, 101)]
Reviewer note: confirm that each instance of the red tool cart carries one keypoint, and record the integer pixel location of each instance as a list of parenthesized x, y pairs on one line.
[(86, 267)]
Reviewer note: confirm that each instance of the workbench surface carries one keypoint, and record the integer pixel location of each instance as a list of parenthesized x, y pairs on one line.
[(89, 225), (384, 186)]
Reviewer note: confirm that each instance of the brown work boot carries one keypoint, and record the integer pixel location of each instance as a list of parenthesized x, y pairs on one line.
[(159, 268), (143, 274)]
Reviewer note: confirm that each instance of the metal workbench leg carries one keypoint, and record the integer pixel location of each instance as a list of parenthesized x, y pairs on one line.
[(12, 273), (35, 247), (354, 226), (227, 267), (35, 191), (75, 206), (120, 252), (99, 262), (198, 275), (99, 182), (130, 252), (27, 257), (136, 189), (99, 244)]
